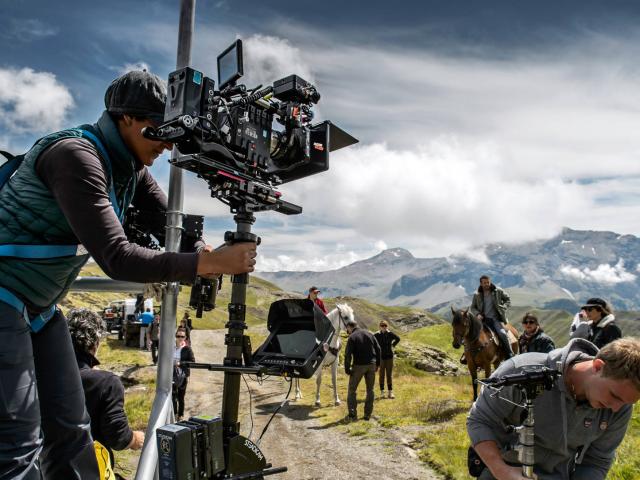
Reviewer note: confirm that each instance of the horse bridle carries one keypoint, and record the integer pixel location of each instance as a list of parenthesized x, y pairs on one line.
[(467, 327)]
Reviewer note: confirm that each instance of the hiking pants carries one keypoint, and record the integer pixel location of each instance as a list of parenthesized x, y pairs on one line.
[(154, 351), (369, 374), (498, 327), (177, 397), (45, 431), (386, 369)]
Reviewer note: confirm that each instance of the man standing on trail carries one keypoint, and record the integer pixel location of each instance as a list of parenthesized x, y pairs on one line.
[(63, 203), (361, 359), (313, 296), (579, 423), (489, 305)]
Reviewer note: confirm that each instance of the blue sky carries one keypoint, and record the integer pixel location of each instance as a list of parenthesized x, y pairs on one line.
[(479, 121)]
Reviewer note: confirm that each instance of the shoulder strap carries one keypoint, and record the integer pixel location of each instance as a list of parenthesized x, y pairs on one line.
[(119, 207), (9, 167)]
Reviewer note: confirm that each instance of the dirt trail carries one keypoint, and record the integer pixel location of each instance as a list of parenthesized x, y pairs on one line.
[(295, 439)]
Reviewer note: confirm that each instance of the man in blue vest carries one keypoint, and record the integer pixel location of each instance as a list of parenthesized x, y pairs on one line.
[(65, 203)]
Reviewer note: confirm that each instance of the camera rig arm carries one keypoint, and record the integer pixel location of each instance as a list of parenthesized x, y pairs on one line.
[(532, 383)]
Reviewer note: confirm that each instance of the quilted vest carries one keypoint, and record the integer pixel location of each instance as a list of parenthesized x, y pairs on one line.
[(39, 254)]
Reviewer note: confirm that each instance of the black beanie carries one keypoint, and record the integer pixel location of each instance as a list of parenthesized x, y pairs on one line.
[(137, 93)]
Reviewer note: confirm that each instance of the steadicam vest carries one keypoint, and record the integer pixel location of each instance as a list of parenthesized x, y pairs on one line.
[(39, 254)]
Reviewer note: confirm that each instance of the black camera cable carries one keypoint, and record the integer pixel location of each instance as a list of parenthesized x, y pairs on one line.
[(250, 406), (284, 402)]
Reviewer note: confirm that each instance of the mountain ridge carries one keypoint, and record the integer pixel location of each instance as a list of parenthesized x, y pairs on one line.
[(561, 271)]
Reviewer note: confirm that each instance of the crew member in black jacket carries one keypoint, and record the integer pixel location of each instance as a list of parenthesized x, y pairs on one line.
[(387, 341), (362, 359), (533, 338), (103, 390), (182, 353)]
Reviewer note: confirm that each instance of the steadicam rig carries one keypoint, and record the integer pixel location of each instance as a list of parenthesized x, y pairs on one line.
[(244, 143)]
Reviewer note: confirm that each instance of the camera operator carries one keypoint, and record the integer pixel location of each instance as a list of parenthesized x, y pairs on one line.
[(586, 413), (65, 203), (104, 393)]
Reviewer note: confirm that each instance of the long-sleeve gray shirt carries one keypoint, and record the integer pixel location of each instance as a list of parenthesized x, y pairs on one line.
[(567, 433), (73, 172)]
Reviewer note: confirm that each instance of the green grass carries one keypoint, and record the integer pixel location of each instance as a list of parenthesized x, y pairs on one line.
[(438, 336)]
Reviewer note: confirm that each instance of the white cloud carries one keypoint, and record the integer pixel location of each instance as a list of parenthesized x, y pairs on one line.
[(32, 101), (603, 273)]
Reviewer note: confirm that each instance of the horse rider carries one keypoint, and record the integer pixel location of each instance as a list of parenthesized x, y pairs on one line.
[(313, 296), (489, 305)]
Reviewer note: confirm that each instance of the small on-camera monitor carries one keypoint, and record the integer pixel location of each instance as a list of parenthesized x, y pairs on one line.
[(230, 65)]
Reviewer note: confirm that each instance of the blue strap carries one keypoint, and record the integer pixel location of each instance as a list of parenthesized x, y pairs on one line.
[(8, 168), (119, 208), (38, 251), (35, 323)]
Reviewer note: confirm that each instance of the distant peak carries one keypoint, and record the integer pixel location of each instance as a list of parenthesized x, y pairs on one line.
[(394, 253)]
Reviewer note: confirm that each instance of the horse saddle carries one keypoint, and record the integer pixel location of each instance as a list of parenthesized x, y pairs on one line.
[(494, 336)]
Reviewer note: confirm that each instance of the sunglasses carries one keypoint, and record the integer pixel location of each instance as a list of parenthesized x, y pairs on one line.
[(527, 322), (588, 309), (181, 336)]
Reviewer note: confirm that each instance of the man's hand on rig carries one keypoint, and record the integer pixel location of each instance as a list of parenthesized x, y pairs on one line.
[(227, 259)]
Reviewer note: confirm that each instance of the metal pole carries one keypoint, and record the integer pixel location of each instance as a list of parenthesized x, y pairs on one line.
[(160, 412)]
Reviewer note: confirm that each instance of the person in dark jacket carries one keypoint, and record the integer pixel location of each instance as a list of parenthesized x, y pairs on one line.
[(62, 204), (387, 341), (361, 359), (603, 327), (103, 390), (533, 339), (182, 353)]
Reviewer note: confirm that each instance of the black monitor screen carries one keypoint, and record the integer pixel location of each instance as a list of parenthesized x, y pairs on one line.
[(230, 64), (291, 341)]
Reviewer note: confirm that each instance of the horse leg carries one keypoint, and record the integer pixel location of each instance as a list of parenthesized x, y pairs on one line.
[(298, 391), (318, 383), (473, 370), (334, 379)]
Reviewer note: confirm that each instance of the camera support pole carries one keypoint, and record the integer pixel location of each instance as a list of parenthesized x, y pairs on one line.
[(162, 410), (235, 340)]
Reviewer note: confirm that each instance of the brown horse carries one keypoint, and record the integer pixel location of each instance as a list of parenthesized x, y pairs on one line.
[(481, 347)]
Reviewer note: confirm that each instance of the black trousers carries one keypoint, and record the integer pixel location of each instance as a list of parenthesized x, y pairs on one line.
[(154, 351), (178, 398), (45, 430)]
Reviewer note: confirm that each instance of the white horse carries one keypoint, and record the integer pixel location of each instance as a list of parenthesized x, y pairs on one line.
[(339, 317)]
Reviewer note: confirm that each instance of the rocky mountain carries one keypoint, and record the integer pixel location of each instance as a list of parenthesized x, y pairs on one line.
[(556, 273)]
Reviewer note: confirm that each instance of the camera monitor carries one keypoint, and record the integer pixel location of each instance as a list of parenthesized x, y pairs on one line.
[(299, 335), (230, 65)]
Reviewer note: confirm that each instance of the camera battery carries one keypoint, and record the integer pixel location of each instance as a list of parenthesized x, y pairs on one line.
[(213, 442), (175, 453)]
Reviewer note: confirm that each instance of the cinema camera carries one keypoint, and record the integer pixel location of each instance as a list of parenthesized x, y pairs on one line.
[(531, 382), (227, 136), (244, 143)]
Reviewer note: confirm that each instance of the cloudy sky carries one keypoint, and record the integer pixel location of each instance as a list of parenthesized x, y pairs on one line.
[(499, 121)]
